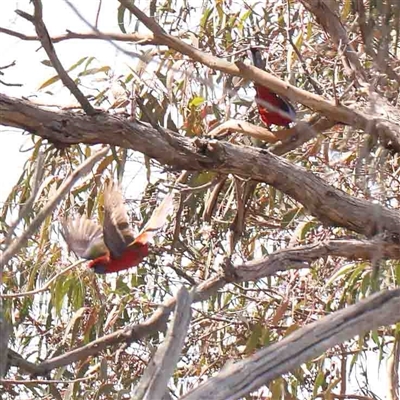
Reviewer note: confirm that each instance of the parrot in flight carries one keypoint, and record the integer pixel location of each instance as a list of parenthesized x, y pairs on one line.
[(273, 109), (113, 247)]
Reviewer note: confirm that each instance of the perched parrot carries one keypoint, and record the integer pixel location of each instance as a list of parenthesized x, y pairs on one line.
[(268, 102), (114, 247)]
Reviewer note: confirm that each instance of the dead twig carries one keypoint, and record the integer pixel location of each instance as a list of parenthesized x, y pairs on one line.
[(83, 169), (43, 35)]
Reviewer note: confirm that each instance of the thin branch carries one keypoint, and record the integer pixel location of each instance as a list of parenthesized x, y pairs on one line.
[(212, 198), (138, 38), (330, 205), (248, 129), (333, 396), (16, 360), (154, 381), (43, 288), (393, 369), (37, 178), (237, 380), (10, 84), (41, 30), (316, 86), (98, 13), (283, 260), (35, 382), (66, 186), (12, 64), (387, 131)]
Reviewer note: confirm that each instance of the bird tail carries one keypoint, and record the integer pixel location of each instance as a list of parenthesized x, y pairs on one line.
[(258, 61), (157, 220)]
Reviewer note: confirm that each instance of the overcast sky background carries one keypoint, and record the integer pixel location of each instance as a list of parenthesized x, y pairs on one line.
[(29, 71)]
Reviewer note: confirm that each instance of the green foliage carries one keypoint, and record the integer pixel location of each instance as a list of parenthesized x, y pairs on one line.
[(189, 98)]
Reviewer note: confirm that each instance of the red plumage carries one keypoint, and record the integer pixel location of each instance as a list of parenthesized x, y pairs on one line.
[(113, 247), (129, 258), (273, 108)]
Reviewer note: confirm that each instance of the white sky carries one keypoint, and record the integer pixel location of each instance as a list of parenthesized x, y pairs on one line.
[(31, 73)]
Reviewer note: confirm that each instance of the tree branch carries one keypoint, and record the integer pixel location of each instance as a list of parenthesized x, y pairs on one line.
[(83, 169), (331, 23), (138, 38), (283, 260), (43, 34), (388, 132), (43, 288), (331, 206), (237, 380), (372, 123), (154, 381)]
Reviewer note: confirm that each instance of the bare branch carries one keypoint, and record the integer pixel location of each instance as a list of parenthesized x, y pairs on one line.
[(35, 382), (41, 30), (83, 169), (139, 38), (248, 129), (237, 380), (12, 64), (388, 132), (154, 381), (331, 206), (11, 84), (5, 330), (351, 248), (16, 360), (393, 370), (43, 288), (37, 178), (283, 260)]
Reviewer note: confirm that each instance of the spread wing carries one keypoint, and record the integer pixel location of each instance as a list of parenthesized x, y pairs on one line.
[(84, 237), (117, 232), (157, 220)]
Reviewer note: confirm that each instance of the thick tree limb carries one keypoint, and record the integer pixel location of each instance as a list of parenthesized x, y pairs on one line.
[(283, 260), (389, 132), (237, 380), (331, 206), (154, 381)]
